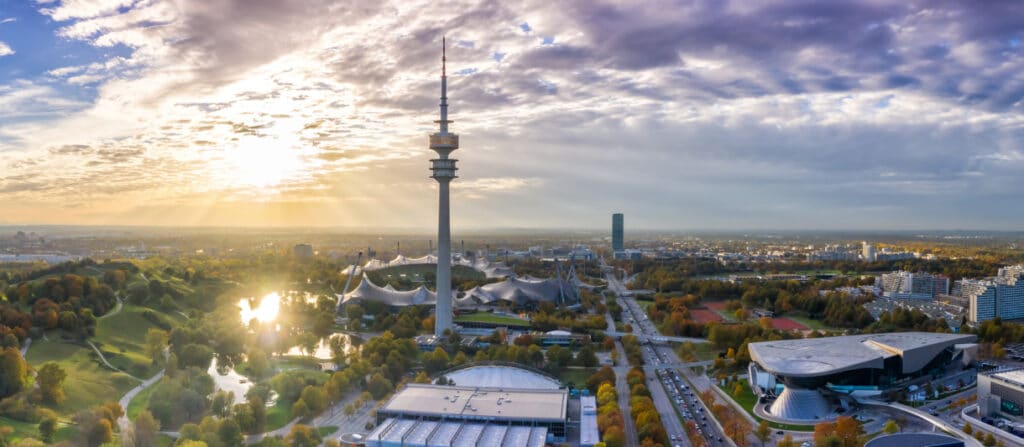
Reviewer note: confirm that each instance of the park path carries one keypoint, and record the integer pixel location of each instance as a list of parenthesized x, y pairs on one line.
[(116, 310), (107, 364), (123, 421), (24, 349)]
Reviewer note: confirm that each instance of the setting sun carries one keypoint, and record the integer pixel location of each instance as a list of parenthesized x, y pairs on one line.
[(261, 162)]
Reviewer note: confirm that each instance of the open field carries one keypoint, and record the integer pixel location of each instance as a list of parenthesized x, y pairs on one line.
[(705, 316), (786, 324), (139, 402), (487, 317), (88, 383), (122, 339), (811, 323), (29, 430)]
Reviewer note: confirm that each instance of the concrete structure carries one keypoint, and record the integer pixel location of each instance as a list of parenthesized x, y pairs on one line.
[(915, 440), (443, 168), (810, 369), (1001, 296), (869, 253), (1001, 394), (410, 433), (618, 243), (907, 285), (589, 434), (542, 408)]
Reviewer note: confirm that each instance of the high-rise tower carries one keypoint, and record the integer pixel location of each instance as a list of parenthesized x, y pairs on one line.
[(617, 240), (443, 168)]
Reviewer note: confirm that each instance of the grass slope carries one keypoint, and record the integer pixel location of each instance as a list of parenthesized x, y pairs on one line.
[(88, 383), (487, 317), (122, 339)]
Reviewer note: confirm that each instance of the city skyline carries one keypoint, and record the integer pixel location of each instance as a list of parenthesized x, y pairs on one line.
[(844, 116)]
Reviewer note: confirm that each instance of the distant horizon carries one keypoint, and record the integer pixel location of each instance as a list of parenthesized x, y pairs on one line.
[(499, 230)]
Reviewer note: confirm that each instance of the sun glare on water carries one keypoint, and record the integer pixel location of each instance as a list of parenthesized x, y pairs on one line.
[(264, 312)]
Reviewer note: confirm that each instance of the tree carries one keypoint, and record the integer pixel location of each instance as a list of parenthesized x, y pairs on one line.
[(849, 430), (787, 441), (968, 428), (614, 437), (156, 341), (259, 364), (890, 427), (147, 429), (763, 431), (379, 386), (421, 377), (315, 398), (302, 436), (51, 383), (990, 441), (48, 426), (300, 409), (230, 433), (13, 372)]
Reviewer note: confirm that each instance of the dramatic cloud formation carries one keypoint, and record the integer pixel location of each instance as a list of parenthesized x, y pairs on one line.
[(682, 114)]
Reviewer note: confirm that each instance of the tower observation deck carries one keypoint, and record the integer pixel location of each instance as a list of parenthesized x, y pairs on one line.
[(443, 170)]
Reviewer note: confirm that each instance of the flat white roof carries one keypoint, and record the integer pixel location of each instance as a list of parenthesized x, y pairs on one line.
[(1015, 376), (413, 433), (588, 421), (478, 403), (811, 357)]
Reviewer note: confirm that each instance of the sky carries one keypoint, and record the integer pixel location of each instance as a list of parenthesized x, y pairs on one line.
[(683, 115)]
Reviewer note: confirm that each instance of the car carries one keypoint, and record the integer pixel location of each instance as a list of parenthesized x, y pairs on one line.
[(778, 432)]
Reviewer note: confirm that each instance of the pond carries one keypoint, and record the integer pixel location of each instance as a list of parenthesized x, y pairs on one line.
[(230, 381)]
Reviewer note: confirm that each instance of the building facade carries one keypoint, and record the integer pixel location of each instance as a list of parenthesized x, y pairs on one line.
[(618, 243), (1001, 296), (1001, 394), (907, 285)]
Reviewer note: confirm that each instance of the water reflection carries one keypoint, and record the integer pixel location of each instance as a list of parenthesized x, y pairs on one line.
[(230, 381), (265, 312), (322, 350)]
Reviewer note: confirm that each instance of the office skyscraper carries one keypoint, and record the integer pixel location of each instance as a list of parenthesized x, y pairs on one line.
[(617, 241)]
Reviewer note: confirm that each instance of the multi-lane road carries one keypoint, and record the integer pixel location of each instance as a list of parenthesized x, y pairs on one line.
[(671, 394)]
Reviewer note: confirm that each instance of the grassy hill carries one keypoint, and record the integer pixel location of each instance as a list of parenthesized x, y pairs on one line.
[(88, 382)]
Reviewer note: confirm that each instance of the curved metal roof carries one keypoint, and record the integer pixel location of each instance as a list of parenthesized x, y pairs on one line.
[(812, 357)]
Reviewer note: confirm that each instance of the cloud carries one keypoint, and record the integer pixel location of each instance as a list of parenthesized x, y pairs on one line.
[(5, 50), (697, 113)]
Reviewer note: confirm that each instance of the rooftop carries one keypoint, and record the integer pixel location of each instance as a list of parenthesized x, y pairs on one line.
[(497, 376), (1014, 376), (822, 356), (413, 433), (480, 403)]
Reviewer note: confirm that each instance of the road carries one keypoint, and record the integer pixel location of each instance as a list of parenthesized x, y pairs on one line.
[(622, 389), (678, 395)]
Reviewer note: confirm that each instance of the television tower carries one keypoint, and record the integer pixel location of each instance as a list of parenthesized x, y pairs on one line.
[(443, 168)]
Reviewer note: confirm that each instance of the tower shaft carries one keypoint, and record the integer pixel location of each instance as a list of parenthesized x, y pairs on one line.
[(443, 170)]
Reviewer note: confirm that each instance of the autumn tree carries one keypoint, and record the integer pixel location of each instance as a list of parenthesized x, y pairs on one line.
[(890, 427), (51, 383)]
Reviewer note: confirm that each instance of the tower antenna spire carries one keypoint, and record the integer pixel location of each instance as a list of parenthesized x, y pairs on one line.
[(444, 58)]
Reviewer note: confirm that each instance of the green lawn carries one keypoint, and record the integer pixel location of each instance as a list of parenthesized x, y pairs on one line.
[(487, 317), (810, 322), (278, 415), (122, 339), (702, 351), (29, 430), (140, 402), (576, 376), (88, 382), (326, 430)]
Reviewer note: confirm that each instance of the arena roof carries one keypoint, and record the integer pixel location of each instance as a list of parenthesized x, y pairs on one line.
[(477, 403), (813, 357), (411, 433), (498, 376), (915, 440)]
